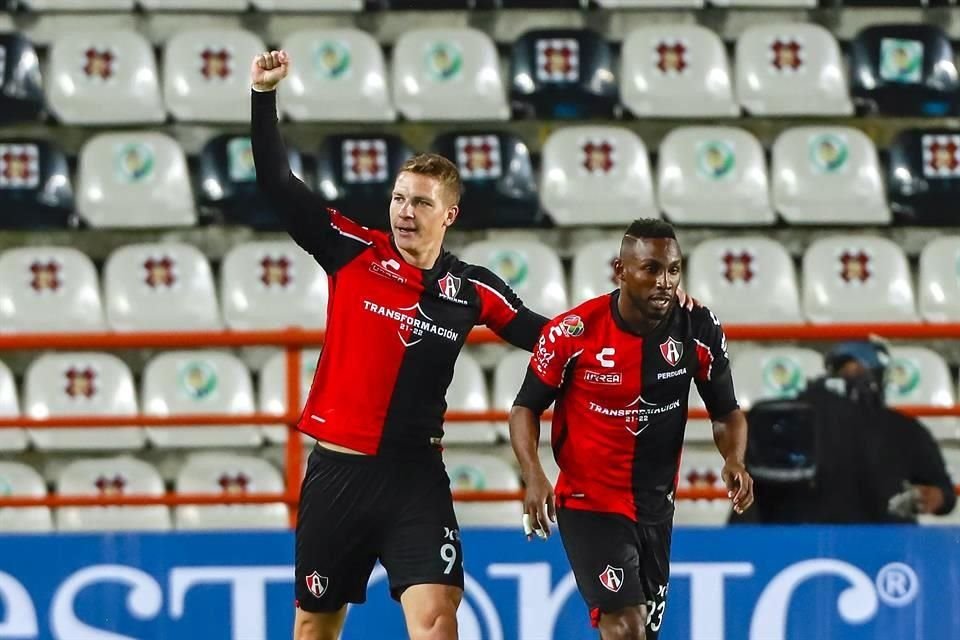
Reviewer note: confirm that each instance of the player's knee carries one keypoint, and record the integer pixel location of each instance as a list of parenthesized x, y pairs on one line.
[(626, 624), (437, 622), (318, 626)]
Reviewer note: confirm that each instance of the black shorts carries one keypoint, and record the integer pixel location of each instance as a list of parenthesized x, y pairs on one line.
[(355, 510), (618, 563)]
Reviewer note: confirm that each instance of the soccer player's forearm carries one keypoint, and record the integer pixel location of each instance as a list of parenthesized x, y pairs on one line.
[(525, 438), (269, 153), (730, 436)]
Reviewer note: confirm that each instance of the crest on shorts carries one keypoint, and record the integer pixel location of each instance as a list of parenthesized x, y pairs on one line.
[(612, 578), (672, 351), (317, 584)]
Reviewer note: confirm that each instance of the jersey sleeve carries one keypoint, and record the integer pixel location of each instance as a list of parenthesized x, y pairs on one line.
[(331, 238), (712, 377), (503, 311)]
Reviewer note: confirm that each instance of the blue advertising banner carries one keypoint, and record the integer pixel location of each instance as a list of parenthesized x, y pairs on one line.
[(737, 582)]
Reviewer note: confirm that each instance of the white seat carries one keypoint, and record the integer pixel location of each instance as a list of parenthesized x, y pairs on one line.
[(78, 5), (134, 179), (206, 74), (920, 376), (194, 382), (225, 474), (272, 285), (549, 464), (121, 475), (308, 5), (791, 69), (592, 271), (80, 384), (951, 457), (809, 4), (745, 280), (272, 392), (698, 430), (49, 289), (340, 75), (17, 479), (508, 377), (773, 372), (194, 5), (448, 74), (676, 71), (483, 472), (13, 439), (828, 175), (701, 469), (468, 392), (160, 286), (857, 278), (938, 281), (593, 175), (649, 4), (713, 176), (531, 268), (103, 77)]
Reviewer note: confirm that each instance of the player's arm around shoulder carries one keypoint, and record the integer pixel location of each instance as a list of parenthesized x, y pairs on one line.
[(502, 310)]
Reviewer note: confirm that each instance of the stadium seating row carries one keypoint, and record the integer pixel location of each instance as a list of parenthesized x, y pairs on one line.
[(112, 77), (274, 284), (588, 175), (203, 382)]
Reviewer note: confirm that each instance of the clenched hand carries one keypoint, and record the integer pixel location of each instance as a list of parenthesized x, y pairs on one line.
[(268, 69)]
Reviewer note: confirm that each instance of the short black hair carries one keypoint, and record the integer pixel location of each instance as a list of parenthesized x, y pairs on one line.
[(651, 228)]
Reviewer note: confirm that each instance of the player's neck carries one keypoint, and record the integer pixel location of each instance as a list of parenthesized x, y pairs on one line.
[(634, 319), (424, 259)]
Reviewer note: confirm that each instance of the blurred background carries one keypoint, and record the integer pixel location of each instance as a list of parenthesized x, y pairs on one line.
[(158, 327)]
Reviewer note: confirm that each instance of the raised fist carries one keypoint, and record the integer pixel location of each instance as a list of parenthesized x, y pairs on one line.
[(268, 69)]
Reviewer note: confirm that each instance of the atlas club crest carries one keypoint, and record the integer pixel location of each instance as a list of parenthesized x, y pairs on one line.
[(672, 351)]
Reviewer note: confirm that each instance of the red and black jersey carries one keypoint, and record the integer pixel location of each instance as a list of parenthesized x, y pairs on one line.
[(621, 402), (393, 331)]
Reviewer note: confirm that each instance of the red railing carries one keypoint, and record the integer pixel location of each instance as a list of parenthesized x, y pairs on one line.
[(292, 340)]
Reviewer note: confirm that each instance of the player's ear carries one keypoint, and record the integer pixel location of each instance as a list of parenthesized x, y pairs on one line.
[(618, 269), (452, 212)]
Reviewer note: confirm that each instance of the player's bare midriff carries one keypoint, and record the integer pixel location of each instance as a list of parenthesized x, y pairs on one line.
[(338, 448)]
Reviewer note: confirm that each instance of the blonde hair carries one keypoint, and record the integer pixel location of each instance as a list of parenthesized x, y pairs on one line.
[(436, 166)]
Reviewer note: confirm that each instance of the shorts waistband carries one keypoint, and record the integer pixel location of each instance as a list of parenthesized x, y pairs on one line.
[(390, 455)]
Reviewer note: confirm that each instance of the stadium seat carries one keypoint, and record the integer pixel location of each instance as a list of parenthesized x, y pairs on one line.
[(531, 268), (78, 5), (923, 176), (592, 271), (356, 173), (160, 287), (470, 471), (700, 430), (790, 69), (904, 70), (500, 189), (308, 5), (920, 376), (97, 77), (649, 4), (951, 456), (227, 183), (10, 439), (194, 5), (272, 285), (80, 384), (676, 71), (713, 176), (35, 187), (549, 463), (448, 74), (745, 280), (206, 74), (701, 469), (770, 373), (508, 377), (468, 392), (562, 73), (21, 84), (135, 179), (121, 475), (272, 392), (594, 175), (198, 382), (341, 77), (828, 175), (857, 278), (226, 474), (938, 282), (49, 289), (18, 479), (766, 4)]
